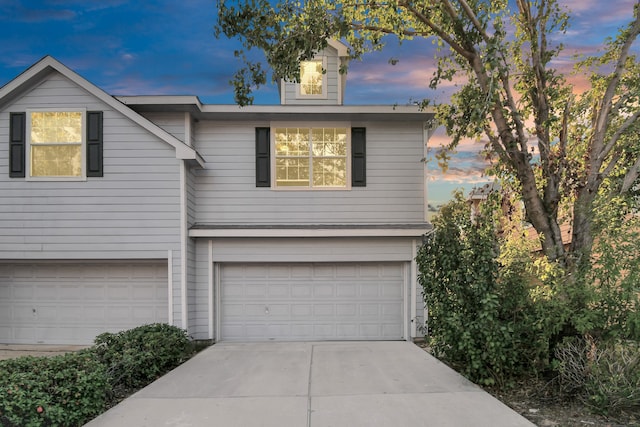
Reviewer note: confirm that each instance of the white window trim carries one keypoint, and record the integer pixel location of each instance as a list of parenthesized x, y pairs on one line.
[(83, 146), (309, 125), (324, 94)]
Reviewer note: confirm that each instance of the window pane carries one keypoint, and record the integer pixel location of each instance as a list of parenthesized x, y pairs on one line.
[(292, 142), (292, 172), (311, 78), (56, 127), (329, 172), (57, 160), (329, 142)]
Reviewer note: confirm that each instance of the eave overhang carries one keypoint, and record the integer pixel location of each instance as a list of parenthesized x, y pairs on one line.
[(414, 230), (230, 112)]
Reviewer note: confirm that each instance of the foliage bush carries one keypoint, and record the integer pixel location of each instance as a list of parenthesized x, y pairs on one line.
[(65, 390), (72, 389), (604, 375), (476, 280), (138, 356), (498, 310)]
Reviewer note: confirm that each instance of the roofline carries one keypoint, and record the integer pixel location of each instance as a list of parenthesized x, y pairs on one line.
[(48, 64), (192, 104), (343, 49)]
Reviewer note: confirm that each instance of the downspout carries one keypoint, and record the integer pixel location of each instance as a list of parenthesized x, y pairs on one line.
[(183, 245), (183, 227), (170, 286), (414, 288)]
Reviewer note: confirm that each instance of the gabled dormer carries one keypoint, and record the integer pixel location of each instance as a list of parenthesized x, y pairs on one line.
[(321, 82)]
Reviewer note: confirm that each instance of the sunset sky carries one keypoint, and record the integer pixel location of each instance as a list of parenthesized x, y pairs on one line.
[(168, 47)]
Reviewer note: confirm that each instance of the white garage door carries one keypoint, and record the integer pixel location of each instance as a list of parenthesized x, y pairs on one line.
[(64, 303), (319, 301)]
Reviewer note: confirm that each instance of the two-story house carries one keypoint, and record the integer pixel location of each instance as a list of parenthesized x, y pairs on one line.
[(297, 221)]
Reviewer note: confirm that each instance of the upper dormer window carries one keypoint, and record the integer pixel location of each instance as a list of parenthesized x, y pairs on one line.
[(313, 79)]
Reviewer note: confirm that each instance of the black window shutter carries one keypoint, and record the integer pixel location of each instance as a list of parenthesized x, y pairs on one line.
[(17, 124), (358, 157), (263, 157), (94, 143)]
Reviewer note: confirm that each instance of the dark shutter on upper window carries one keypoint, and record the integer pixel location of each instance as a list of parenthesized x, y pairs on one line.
[(17, 125), (263, 157), (358, 157), (94, 143)]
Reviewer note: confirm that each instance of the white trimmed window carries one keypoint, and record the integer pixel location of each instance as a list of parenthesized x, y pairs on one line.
[(56, 144), (311, 158), (313, 79)]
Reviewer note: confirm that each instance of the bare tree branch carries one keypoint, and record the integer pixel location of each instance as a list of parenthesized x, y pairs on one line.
[(631, 176), (606, 103), (436, 29), (619, 132), (474, 20)]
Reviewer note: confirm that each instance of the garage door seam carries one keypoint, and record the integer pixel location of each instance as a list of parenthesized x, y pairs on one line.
[(309, 388)]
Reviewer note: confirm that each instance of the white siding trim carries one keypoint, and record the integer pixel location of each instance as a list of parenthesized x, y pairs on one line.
[(405, 319), (170, 286), (210, 293), (316, 232), (183, 244), (414, 284), (218, 314), (425, 180), (187, 129)]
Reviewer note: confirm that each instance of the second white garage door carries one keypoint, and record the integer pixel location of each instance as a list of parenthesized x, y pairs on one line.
[(311, 301), (71, 303)]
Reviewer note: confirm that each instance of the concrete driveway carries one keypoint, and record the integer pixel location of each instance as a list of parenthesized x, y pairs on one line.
[(312, 384)]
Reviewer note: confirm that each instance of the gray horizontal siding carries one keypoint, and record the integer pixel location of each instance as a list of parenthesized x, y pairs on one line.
[(226, 191), (312, 250), (132, 212), (201, 300), (170, 122)]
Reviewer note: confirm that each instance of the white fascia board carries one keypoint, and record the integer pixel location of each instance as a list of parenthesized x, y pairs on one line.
[(320, 109), (343, 49), (41, 66), (316, 232), (160, 100)]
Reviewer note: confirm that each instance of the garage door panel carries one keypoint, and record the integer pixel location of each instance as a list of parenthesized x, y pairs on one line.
[(301, 271), (335, 301), (346, 289), (345, 330), (302, 310), (323, 290), (71, 303), (301, 290), (347, 310), (323, 310)]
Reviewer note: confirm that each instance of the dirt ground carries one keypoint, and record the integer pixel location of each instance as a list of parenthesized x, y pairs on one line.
[(536, 401), (538, 404)]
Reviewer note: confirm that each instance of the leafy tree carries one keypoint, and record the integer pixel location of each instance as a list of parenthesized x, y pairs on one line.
[(512, 96)]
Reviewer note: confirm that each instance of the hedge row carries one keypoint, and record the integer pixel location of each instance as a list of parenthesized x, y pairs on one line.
[(71, 389)]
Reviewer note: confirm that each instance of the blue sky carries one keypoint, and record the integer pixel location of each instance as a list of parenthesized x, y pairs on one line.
[(167, 47)]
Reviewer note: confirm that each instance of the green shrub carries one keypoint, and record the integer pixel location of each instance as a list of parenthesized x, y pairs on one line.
[(605, 376), (65, 390), (477, 287), (138, 356)]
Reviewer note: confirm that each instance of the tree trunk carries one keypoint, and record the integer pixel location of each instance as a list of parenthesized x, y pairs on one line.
[(543, 221), (582, 233)]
